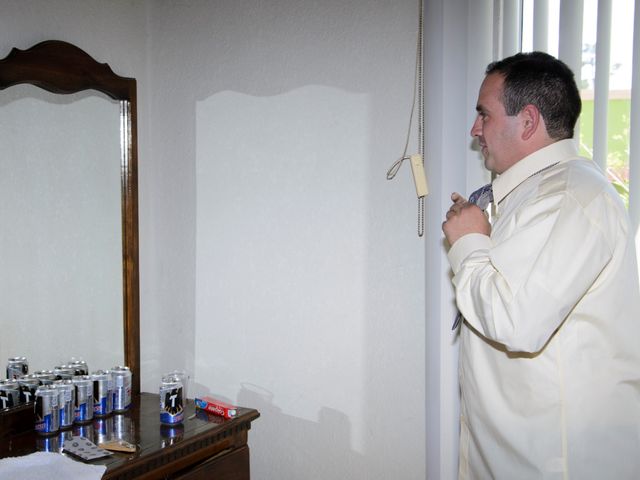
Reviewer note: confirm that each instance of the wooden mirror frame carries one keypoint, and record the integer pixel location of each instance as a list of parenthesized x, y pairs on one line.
[(60, 67)]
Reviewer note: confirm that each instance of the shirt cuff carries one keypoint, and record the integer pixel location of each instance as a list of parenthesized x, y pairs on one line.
[(466, 245)]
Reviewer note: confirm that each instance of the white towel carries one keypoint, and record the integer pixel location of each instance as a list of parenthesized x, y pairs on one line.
[(47, 466)]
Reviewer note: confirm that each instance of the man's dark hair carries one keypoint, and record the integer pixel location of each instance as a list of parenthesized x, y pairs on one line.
[(537, 78)]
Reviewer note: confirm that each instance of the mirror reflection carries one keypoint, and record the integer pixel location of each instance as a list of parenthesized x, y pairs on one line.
[(61, 253)]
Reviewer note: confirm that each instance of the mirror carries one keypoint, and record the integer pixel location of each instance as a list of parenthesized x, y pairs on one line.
[(69, 193)]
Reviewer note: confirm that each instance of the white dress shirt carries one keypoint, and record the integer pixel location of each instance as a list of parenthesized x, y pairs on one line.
[(550, 350)]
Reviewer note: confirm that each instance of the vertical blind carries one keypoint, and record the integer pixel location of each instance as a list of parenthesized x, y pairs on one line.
[(600, 41)]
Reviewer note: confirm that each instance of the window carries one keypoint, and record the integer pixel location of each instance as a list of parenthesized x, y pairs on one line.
[(604, 76)]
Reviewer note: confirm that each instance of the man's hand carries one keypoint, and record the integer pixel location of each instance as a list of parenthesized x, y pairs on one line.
[(464, 218)]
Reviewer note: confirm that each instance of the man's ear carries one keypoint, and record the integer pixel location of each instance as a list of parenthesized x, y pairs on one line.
[(531, 120)]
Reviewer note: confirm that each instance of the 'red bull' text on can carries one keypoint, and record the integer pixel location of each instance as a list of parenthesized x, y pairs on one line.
[(47, 414), (9, 393), (121, 388), (83, 411), (171, 403), (66, 402), (17, 367), (102, 393)]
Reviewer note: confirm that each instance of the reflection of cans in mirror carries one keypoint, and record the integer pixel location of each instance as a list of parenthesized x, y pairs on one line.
[(47, 415), (83, 412), (171, 403), (9, 393), (17, 367), (121, 388)]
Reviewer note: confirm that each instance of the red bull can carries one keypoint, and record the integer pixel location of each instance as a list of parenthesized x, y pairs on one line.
[(47, 414), (102, 393), (121, 388), (66, 402), (83, 411)]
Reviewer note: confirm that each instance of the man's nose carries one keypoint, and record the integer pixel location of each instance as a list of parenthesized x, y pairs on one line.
[(476, 130)]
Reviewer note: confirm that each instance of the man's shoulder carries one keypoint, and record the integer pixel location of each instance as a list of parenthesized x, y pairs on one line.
[(581, 179), (575, 174)]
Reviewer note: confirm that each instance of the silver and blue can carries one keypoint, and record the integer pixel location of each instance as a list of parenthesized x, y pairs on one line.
[(171, 403), (9, 394), (66, 402), (83, 412), (121, 388), (17, 367), (28, 386), (102, 393), (47, 414)]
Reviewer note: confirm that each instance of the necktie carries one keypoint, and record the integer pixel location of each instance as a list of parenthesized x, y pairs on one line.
[(482, 198)]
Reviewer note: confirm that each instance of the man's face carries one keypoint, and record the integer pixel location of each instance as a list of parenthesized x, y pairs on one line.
[(497, 133)]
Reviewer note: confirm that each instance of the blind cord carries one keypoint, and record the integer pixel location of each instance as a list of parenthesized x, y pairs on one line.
[(417, 98)]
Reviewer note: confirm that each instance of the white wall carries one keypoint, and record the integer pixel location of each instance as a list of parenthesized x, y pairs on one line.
[(278, 265), (273, 126)]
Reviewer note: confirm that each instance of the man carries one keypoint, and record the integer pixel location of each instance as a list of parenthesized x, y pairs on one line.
[(550, 346)]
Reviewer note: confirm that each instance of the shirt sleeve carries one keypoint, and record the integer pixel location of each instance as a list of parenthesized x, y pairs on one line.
[(518, 291)]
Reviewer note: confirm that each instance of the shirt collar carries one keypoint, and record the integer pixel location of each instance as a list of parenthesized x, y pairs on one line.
[(559, 151)]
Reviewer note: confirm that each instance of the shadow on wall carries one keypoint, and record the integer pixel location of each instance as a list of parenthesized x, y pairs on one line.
[(304, 449)]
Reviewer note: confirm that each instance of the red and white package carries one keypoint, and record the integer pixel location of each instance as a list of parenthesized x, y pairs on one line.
[(217, 407)]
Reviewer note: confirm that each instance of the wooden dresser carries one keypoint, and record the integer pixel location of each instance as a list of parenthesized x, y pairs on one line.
[(205, 446)]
